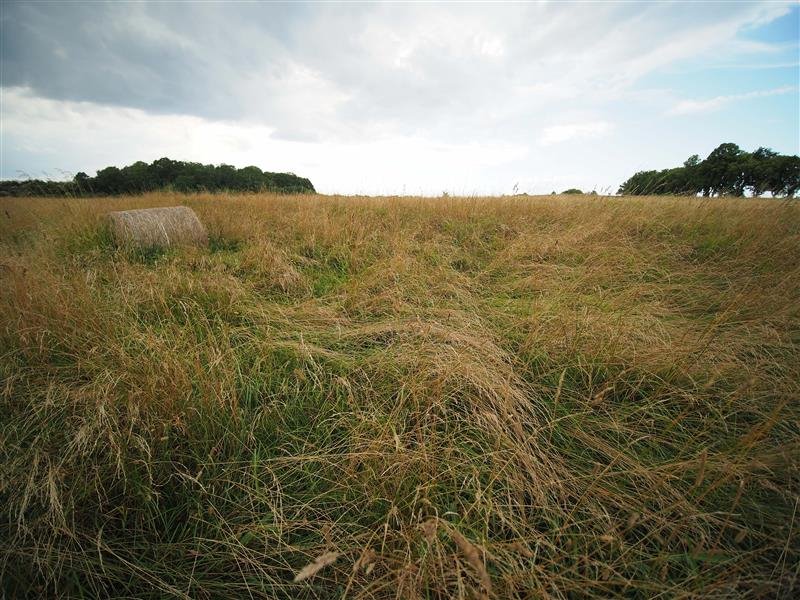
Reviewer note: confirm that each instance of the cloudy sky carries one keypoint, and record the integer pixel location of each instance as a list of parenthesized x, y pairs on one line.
[(398, 98)]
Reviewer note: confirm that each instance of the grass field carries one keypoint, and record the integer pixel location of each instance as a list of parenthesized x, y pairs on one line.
[(403, 398)]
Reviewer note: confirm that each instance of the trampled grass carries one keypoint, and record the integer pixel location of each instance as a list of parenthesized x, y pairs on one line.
[(402, 398)]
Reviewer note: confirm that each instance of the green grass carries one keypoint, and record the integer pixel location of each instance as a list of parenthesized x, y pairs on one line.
[(504, 398)]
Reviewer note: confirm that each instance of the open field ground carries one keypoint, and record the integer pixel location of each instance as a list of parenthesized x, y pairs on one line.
[(416, 398)]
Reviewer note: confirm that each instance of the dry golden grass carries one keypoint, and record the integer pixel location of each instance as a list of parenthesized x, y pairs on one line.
[(402, 398)]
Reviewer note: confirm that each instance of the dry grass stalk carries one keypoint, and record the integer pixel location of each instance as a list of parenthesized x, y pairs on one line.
[(473, 557), (311, 569), (429, 528), (365, 561)]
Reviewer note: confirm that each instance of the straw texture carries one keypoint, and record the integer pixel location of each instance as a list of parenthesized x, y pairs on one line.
[(166, 226)]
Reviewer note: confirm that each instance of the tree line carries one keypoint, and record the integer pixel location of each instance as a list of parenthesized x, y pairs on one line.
[(727, 171), (162, 174)]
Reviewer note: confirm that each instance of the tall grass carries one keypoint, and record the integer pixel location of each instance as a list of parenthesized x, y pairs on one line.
[(402, 398)]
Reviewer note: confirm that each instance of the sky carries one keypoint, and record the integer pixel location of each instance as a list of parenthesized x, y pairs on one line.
[(397, 98)]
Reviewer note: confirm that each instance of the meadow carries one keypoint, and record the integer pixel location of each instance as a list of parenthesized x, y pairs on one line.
[(353, 397)]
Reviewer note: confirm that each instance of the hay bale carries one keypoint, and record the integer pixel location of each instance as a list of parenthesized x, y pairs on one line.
[(157, 227)]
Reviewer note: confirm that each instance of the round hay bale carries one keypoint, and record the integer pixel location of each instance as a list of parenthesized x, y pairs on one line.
[(162, 227)]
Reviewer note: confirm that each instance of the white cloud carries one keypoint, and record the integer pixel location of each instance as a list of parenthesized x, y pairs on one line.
[(686, 107), (62, 131), (572, 131), (351, 72), (366, 97)]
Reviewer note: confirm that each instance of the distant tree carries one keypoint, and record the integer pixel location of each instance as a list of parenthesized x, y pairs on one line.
[(727, 170), (137, 177), (688, 181), (251, 179), (160, 174), (722, 172), (109, 181), (572, 191), (757, 170), (641, 183), (224, 177), (163, 172), (784, 176), (82, 183), (692, 161)]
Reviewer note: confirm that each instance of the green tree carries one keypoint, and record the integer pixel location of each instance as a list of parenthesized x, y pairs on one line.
[(785, 176), (160, 174), (722, 173), (108, 181)]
